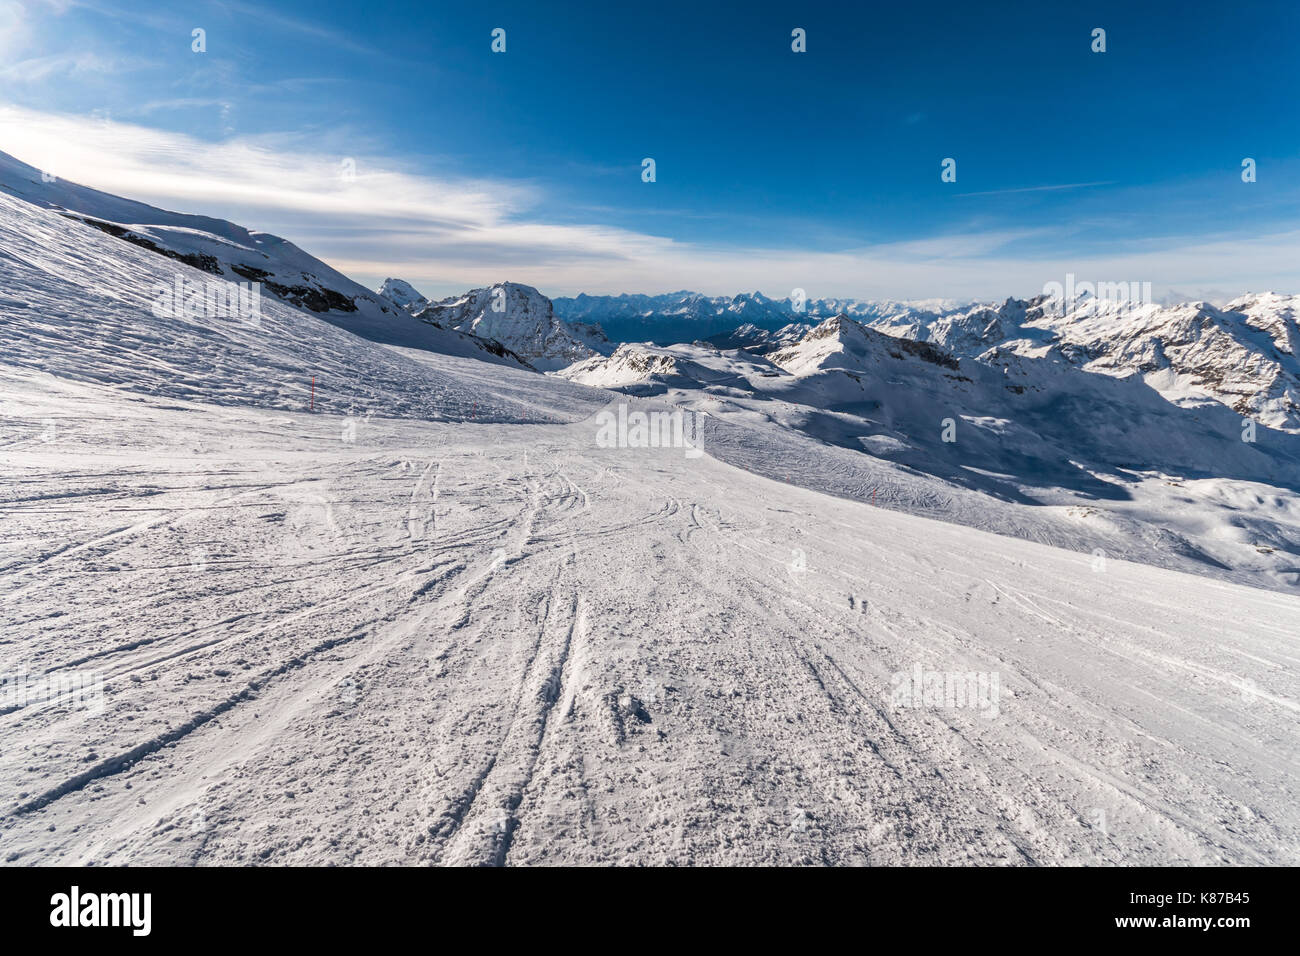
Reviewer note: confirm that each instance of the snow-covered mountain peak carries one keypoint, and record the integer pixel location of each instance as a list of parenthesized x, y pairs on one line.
[(758, 340), (402, 294), (843, 343), (520, 318), (644, 369), (836, 333)]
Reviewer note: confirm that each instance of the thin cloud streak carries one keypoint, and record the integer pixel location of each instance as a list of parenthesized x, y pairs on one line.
[(1038, 189)]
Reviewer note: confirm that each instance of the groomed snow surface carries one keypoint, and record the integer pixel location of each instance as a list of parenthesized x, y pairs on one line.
[(440, 620)]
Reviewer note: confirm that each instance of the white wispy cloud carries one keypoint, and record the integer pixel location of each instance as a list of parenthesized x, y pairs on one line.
[(40, 69), (448, 233)]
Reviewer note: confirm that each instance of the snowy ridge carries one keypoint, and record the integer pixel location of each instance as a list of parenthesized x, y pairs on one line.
[(649, 369), (840, 343), (760, 341), (78, 303), (1242, 355), (220, 250)]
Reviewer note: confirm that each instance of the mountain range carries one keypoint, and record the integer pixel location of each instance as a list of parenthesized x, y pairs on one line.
[(688, 316), (1243, 355)]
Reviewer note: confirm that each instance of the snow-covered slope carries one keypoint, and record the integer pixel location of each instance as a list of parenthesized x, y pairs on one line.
[(221, 251), (521, 319), (78, 303), (457, 643)]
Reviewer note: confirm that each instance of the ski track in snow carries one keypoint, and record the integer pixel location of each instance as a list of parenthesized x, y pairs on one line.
[(417, 648)]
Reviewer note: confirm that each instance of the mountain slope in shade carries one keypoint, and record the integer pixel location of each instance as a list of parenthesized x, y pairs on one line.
[(221, 250), (1243, 355), (521, 319), (760, 341)]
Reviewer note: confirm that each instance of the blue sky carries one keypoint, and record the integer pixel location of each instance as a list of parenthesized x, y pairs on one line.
[(819, 170)]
